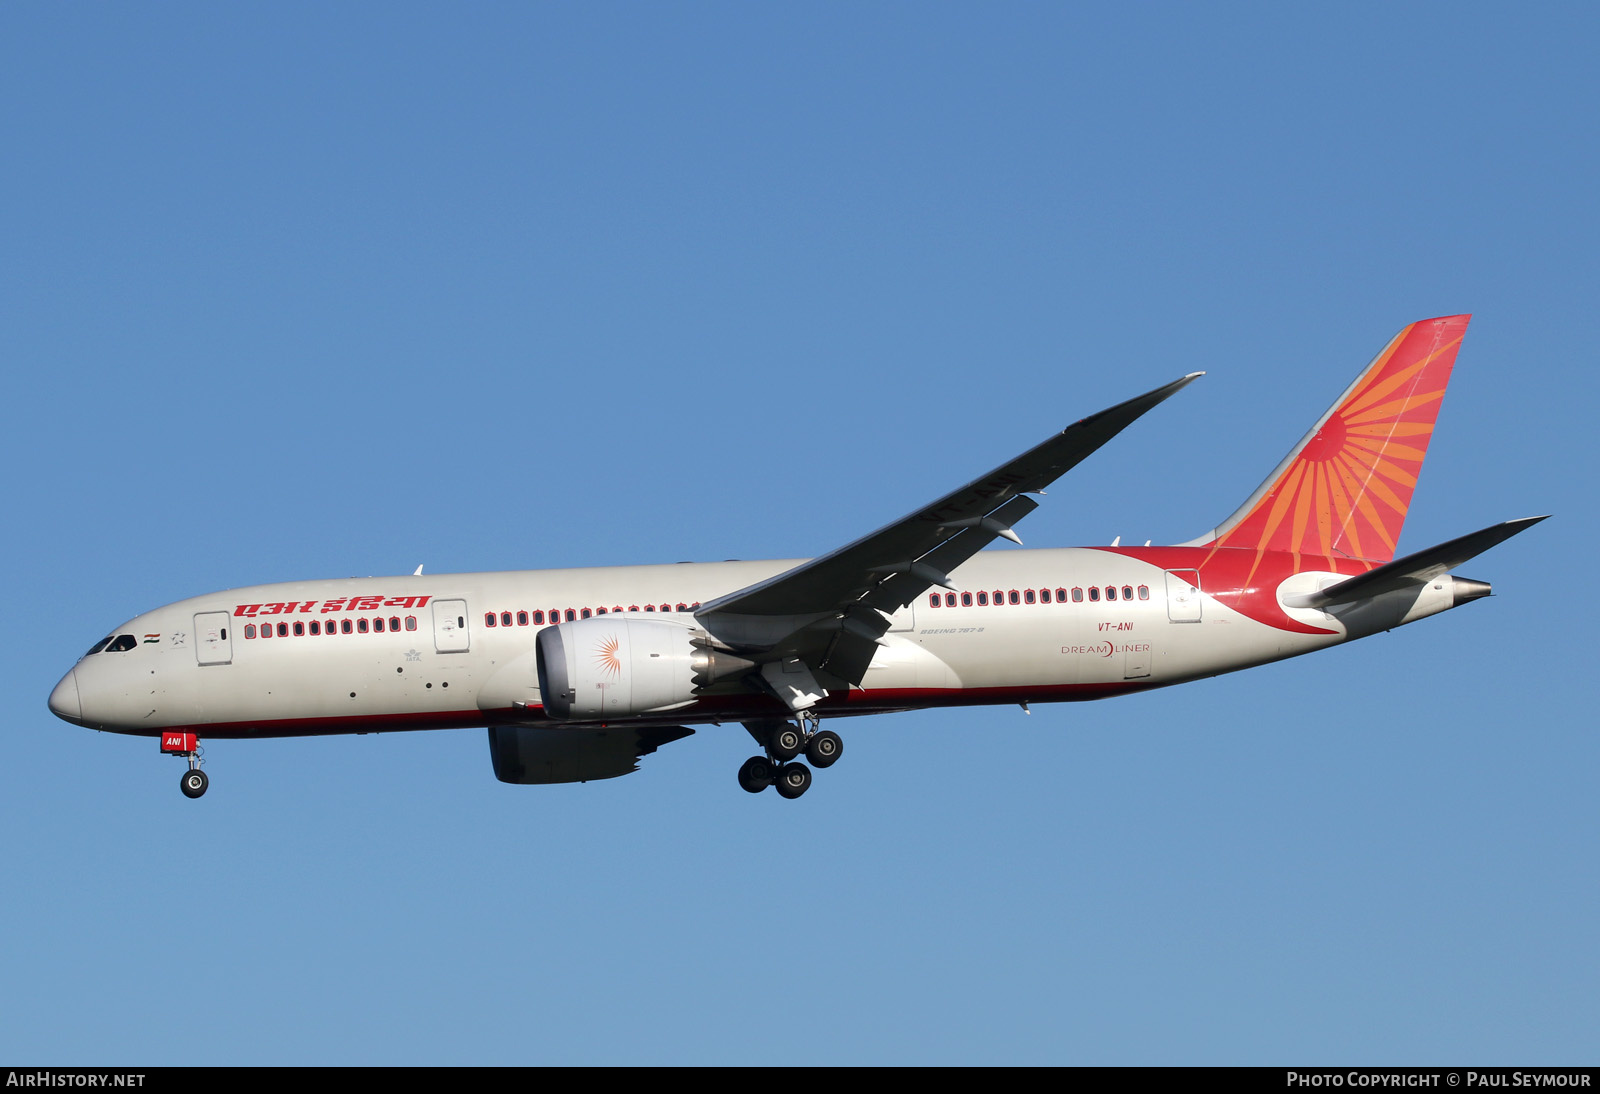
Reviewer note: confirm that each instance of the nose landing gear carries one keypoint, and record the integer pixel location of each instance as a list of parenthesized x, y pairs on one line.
[(194, 783), (187, 745)]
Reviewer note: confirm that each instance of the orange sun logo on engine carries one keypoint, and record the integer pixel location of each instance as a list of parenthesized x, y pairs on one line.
[(608, 658)]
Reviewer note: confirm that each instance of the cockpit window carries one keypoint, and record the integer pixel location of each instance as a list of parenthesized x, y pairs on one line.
[(122, 642), (100, 645)]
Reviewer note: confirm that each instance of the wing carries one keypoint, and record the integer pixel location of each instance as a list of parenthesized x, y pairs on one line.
[(819, 624), (540, 754)]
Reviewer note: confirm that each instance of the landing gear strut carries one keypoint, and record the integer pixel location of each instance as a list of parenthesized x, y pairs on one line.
[(187, 745), (783, 741)]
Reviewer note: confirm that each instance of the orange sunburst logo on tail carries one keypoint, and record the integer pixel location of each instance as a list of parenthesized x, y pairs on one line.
[(1346, 489), (608, 656)]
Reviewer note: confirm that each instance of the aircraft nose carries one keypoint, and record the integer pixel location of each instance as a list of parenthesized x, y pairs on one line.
[(64, 702)]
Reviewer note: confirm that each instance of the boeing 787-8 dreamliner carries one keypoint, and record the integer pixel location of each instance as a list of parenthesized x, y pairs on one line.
[(578, 673)]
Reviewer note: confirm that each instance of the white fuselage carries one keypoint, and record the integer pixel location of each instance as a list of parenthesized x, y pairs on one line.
[(360, 655)]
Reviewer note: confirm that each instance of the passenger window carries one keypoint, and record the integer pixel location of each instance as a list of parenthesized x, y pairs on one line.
[(585, 613), (266, 630), (344, 626), (505, 619), (1127, 592), (538, 618), (522, 619), (316, 627), (599, 611), (1044, 596), (411, 622), (299, 629), (983, 600), (249, 631), (933, 600), (361, 625), (1028, 596), (1144, 592), (571, 615), (1077, 595), (1061, 596), (283, 630), (1111, 592), (1013, 597), (488, 619), (966, 600), (1094, 593), (377, 624), (394, 622), (949, 600)]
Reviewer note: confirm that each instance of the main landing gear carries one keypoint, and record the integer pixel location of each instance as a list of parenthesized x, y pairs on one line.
[(784, 741), (187, 745)]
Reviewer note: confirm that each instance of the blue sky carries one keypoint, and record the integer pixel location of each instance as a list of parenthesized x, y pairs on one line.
[(294, 291)]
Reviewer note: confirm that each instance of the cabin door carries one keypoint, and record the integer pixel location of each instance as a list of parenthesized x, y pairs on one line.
[(212, 643), (1183, 596), (450, 633)]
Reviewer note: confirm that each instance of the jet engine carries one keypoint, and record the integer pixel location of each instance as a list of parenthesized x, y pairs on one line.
[(622, 666)]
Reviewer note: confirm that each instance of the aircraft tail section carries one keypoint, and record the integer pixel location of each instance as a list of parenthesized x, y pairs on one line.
[(1345, 488)]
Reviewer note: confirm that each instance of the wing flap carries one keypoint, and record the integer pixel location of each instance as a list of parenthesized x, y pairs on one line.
[(909, 583)]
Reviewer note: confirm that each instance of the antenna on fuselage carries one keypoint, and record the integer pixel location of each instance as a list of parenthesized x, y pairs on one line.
[(417, 572)]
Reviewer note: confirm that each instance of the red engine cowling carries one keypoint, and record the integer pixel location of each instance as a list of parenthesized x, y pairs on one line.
[(617, 666)]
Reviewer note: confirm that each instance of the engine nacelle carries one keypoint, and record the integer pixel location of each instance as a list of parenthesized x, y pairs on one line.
[(622, 666)]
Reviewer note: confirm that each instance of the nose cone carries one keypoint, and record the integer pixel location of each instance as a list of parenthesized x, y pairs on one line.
[(64, 702)]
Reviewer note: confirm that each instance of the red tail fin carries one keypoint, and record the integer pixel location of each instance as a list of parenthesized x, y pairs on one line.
[(1345, 488)]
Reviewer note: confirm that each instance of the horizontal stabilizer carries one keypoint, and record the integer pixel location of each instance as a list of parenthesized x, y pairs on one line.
[(1417, 569)]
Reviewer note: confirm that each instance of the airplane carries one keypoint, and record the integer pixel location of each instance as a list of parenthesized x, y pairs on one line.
[(579, 673)]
